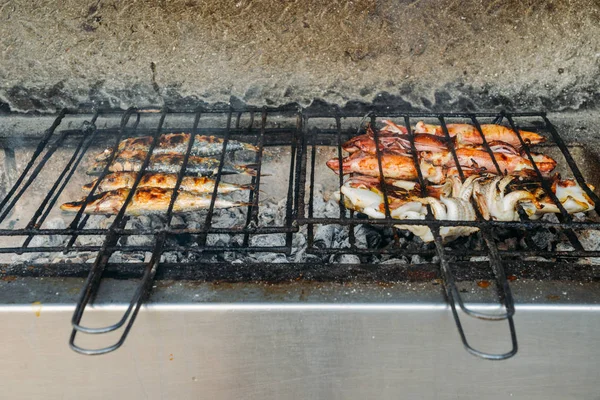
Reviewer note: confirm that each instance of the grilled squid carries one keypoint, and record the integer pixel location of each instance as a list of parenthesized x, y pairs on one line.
[(453, 205), (495, 204)]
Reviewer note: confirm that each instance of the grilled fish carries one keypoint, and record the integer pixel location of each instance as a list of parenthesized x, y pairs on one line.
[(147, 200), (466, 133), (393, 166), (169, 163), (477, 158), (118, 180), (204, 146), (393, 143)]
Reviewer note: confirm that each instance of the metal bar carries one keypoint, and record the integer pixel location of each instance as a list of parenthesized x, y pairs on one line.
[(338, 127), (401, 114), (290, 192), (384, 191), (40, 147), (253, 197), (311, 191), (208, 220), (246, 241), (532, 224), (300, 156), (304, 135), (340, 170)]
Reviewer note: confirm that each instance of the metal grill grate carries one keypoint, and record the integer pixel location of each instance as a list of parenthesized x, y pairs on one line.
[(299, 137)]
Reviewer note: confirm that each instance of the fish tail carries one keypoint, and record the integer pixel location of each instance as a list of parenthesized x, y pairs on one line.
[(105, 155), (89, 186), (250, 169), (250, 147), (73, 206), (248, 186)]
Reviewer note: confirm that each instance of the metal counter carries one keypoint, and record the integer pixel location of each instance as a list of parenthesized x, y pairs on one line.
[(359, 341)]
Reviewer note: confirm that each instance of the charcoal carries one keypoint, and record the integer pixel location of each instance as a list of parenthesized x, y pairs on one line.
[(543, 239), (395, 261), (324, 236), (347, 259), (274, 240)]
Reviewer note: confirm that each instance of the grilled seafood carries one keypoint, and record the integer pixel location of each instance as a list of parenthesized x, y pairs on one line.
[(480, 159), (388, 142), (360, 196), (399, 192), (147, 200), (494, 203), (465, 133), (393, 166), (204, 146), (393, 143), (572, 197), (118, 180), (391, 127), (453, 205), (132, 161)]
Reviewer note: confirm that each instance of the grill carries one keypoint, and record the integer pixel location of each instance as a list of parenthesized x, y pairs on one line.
[(291, 239)]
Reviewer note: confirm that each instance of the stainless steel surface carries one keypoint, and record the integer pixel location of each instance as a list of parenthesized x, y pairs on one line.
[(300, 351)]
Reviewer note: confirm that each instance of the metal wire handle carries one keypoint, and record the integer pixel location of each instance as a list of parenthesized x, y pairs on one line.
[(94, 278), (452, 293)]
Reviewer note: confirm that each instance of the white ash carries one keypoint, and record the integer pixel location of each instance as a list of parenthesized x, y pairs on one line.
[(347, 259), (392, 261)]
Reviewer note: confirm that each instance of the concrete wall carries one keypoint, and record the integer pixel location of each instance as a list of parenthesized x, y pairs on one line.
[(432, 54)]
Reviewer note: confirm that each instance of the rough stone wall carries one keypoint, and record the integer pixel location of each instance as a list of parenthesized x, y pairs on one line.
[(424, 54)]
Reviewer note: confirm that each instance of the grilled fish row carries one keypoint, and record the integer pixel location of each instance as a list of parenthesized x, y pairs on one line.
[(203, 146), (147, 200), (199, 184), (169, 163)]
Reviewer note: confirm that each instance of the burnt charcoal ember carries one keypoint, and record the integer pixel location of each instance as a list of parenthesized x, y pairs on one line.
[(299, 247), (272, 214), (218, 240), (367, 237), (395, 261), (590, 240), (268, 240), (324, 236), (121, 257), (346, 259), (544, 239)]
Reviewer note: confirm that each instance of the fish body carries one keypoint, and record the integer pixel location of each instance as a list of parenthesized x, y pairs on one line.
[(366, 143), (168, 163), (204, 146), (466, 133), (475, 158), (394, 144), (147, 200), (393, 166), (118, 180)]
